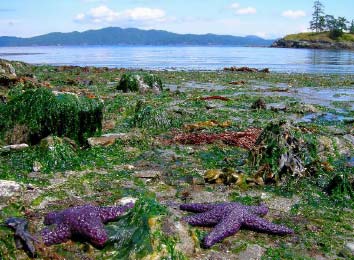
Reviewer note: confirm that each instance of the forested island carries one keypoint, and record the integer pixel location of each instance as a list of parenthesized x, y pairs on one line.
[(328, 32), (132, 36)]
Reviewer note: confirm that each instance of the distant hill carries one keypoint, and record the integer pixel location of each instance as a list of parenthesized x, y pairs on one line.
[(321, 40), (131, 36)]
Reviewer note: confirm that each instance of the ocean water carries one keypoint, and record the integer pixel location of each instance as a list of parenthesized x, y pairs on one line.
[(188, 58)]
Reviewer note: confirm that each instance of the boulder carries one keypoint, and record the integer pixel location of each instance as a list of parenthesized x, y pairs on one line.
[(7, 68), (147, 174), (252, 252), (106, 140), (15, 147), (9, 191)]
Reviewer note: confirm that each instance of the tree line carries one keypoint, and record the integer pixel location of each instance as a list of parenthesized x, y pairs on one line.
[(322, 22)]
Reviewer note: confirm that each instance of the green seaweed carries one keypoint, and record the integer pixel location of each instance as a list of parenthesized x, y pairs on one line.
[(130, 237), (46, 114)]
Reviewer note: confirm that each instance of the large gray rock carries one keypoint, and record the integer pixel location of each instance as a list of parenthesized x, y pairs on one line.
[(7, 68), (14, 147), (9, 192), (110, 139), (252, 252), (180, 230)]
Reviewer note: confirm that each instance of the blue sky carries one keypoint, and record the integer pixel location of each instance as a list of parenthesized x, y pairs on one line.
[(266, 18)]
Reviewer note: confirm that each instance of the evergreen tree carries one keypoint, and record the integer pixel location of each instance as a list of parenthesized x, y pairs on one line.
[(351, 27), (330, 22), (342, 23), (317, 23)]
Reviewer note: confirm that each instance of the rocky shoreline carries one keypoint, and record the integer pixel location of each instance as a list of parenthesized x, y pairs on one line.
[(301, 44), (279, 142)]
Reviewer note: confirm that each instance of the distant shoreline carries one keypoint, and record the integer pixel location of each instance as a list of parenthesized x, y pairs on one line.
[(20, 53), (132, 36), (316, 41)]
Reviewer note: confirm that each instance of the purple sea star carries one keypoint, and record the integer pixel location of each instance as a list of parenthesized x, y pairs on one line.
[(83, 221), (228, 219)]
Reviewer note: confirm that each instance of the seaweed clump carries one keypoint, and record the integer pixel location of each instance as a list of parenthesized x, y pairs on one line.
[(43, 114), (278, 153), (147, 116), (140, 83), (136, 235), (245, 139)]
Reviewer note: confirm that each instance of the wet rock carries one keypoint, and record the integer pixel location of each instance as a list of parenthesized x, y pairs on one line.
[(15, 147), (252, 252), (167, 155), (45, 202), (349, 138), (7, 68), (180, 230), (281, 204), (350, 246), (259, 104), (211, 106), (9, 192), (109, 139), (306, 108), (213, 255), (147, 174), (348, 251), (31, 193), (201, 196), (180, 110), (278, 107)]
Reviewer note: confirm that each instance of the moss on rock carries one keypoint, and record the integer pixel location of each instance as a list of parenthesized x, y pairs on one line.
[(45, 114), (139, 82)]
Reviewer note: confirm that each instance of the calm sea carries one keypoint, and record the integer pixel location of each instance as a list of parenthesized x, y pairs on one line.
[(188, 58)]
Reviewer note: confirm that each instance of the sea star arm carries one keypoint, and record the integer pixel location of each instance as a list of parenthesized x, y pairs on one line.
[(227, 227), (259, 210), (111, 213), (60, 234), (209, 218), (53, 218), (259, 224), (197, 207), (93, 230)]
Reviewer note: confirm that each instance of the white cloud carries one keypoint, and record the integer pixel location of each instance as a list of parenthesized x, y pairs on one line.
[(143, 13), (294, 14), (235, 5), (247, 10), (80, 17), (238, 9), (103, 14)]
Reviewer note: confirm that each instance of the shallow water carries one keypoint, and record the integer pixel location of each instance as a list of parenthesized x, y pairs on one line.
[(309, 95), (188, 58), (329, 117)]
